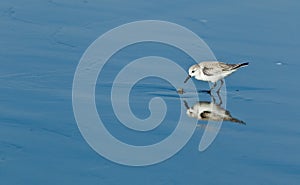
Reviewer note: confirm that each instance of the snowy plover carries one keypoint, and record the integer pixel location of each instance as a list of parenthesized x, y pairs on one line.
[(213, 71)]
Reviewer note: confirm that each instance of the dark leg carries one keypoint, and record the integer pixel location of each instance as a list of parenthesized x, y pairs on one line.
[(222, 82), (214, 85), (209, 91)]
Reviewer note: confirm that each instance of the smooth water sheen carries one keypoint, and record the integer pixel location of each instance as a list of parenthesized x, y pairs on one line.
[(41, 45)]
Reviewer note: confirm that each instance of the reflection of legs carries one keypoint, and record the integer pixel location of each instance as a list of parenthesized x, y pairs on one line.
[(213, 98), (220, 99), (222, 82)]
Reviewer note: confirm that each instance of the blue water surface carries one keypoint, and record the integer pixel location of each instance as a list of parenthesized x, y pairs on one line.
[(42, 42)]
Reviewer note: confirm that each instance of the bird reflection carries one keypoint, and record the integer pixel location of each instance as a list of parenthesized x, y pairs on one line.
[(205, 110)]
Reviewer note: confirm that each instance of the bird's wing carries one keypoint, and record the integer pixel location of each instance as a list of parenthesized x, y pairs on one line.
[(227, 67), (216, 68), (208, 115), (205, 114), (211, 71)]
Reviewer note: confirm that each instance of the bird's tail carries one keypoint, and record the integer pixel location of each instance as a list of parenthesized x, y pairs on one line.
[(237, 121), (240, 65)]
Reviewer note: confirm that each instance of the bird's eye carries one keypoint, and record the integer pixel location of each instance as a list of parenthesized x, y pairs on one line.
[(193, 71)]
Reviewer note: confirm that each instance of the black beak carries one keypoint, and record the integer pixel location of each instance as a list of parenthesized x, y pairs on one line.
[(187, 78), (186, 104)]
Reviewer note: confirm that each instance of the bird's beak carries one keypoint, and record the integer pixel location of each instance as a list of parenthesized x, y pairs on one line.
[(187, 78)]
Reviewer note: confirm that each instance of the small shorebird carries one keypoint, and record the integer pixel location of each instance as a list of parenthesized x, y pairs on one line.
[(213, 72), (210, 111)]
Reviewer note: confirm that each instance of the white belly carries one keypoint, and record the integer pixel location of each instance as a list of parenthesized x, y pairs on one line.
[(213, 78)]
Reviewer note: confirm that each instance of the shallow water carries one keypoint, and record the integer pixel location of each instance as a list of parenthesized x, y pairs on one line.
[(42, 43)]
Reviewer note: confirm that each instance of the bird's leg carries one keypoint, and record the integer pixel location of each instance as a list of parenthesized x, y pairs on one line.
[(222, 82), (209, 91), (214, 85)]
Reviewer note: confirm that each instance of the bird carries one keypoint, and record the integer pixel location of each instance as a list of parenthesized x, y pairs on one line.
[(213, 71), (205, 111)]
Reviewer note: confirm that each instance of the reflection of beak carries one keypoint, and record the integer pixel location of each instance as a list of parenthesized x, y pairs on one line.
[(186, 104), (187, 78)]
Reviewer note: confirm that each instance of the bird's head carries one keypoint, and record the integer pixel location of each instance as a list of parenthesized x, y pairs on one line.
[(191, 112), (192, 72)]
